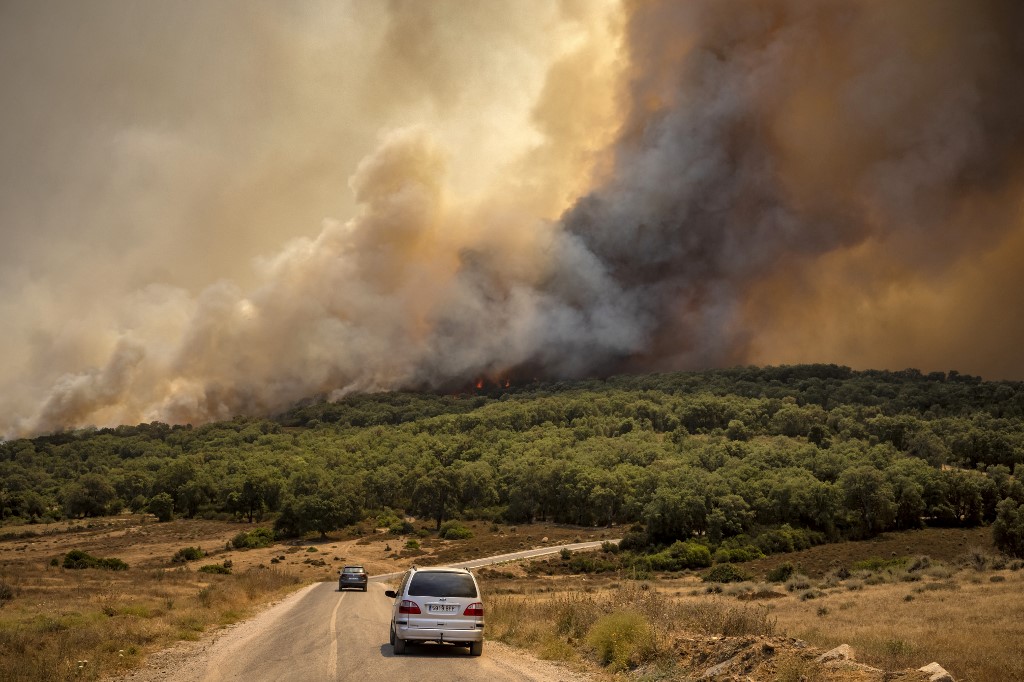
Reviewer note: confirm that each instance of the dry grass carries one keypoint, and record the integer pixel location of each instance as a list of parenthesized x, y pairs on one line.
[(901, 616), (58, 624), (967, 623), (86, 624), (52, 619), (622, 626)]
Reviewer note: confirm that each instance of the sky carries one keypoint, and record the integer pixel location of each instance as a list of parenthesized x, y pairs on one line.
[(210, 209)]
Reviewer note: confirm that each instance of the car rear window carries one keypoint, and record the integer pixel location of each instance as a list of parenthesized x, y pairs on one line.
[(353, 569), (428, 584)]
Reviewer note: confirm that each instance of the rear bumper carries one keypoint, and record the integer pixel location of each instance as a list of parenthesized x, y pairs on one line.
[(438, 635)]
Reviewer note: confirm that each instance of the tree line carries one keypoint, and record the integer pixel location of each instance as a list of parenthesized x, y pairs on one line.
[(771, 458)]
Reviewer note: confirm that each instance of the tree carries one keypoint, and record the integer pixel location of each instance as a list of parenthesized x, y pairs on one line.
[(194, 494), (1008, 528), (477, 488), (322, 512), (674, 514), (436, 494), (964, 495), (869, 498), (730, 516), (908, 496), (737, 430), (132, 484), (89, 496), (259, 492), (161, 505)]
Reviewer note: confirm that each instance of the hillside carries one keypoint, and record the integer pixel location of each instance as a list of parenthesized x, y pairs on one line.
[(749, 461), (757, 470)]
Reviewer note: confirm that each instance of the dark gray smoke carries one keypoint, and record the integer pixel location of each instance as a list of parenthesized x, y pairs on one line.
[(745, 182), (777, 147)]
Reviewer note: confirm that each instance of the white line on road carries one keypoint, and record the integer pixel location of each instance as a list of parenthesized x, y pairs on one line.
[(332, 656)]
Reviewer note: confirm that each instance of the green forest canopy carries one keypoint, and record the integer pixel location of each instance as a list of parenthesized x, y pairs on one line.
[(776, 456)]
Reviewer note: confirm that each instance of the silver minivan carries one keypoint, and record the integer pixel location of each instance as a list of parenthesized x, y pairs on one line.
[(437, 605)]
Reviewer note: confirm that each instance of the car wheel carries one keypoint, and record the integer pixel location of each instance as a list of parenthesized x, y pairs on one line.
[(391, 635), (476, 648), (399, 646), (364, 588), (340, 588)]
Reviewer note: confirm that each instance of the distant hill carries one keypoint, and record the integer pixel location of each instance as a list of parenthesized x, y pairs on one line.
[(740, 459)]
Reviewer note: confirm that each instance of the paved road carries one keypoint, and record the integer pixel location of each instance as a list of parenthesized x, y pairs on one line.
[(323, 634)]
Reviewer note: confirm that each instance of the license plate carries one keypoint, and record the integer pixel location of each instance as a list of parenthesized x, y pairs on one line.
[(442, 608)]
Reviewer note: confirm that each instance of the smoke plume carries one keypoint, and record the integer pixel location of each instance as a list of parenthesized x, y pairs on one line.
[(535, 189)]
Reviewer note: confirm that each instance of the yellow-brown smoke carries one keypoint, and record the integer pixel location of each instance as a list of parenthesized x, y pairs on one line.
[(562, 188)]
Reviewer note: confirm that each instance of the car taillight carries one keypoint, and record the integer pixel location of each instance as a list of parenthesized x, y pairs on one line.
[(408, 607), (474, 609)]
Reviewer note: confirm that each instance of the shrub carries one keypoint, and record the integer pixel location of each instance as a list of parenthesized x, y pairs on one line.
[(565, 554), (217, 569), (186, 554), (585, 563), (780, 573), (401, 528), (622, 640), (725, 573), (634, 541), (609, 547), (878, 563), (387, 518), (112, 564), (412, 544), (77, 559), (679, 556), (453, 530), (798, 582), (714, 617), (252, 539), (785, 538), (734, 555), (6, 592), (977, 558)]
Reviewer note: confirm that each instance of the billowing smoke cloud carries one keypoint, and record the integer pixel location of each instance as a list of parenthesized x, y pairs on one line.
[(546, 190), (796, 180)]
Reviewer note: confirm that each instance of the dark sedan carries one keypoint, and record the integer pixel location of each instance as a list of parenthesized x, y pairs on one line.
[(352, 576)]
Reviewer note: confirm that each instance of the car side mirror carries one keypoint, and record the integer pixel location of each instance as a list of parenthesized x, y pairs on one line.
[(390, 593)]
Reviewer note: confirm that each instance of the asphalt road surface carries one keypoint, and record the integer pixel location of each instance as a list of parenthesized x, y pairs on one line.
[(322, 634)]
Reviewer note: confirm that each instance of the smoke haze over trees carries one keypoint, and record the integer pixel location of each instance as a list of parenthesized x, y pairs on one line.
[(534, 189)]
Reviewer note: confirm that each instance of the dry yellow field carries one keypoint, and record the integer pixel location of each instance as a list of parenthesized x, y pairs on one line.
[(61, 624), (966, 619)]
